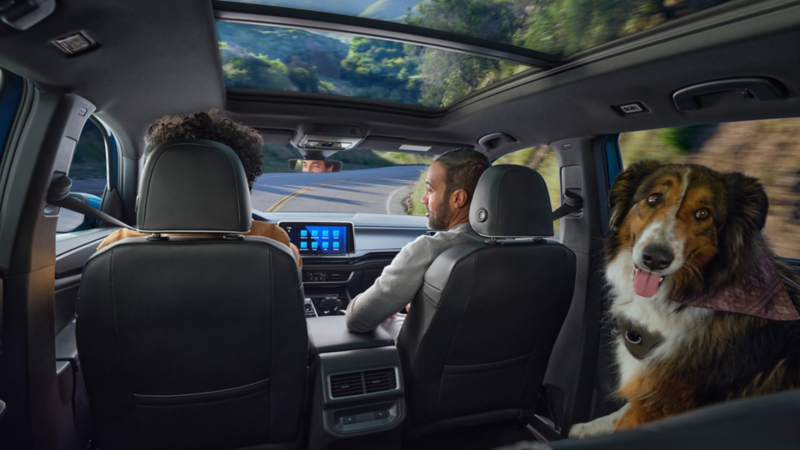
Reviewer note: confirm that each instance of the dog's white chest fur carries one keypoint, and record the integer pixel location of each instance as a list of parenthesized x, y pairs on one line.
[(657, 313)]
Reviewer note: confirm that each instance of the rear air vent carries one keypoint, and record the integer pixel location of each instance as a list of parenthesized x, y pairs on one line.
[(358, 383), (347, 384), (380, 380)]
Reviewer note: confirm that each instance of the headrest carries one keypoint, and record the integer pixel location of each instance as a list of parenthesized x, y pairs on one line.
[(511, 201), (193, 185)]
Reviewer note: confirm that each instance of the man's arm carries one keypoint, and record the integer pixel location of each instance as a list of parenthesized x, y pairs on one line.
[(122, 233), (393, 290)]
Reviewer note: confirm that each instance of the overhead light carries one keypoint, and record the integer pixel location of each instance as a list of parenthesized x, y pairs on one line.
[(327, 145), (331, 137), (74, 43)]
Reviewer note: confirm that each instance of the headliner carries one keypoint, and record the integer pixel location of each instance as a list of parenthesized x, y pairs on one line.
[(159, 57)]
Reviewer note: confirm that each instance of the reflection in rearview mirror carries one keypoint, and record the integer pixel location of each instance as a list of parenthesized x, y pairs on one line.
[(314, 166)]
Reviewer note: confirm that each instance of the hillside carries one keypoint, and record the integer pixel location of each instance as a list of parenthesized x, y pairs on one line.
[(275, 58)]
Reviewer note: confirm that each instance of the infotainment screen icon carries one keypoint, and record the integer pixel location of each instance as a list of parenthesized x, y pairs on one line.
[(321, 238)]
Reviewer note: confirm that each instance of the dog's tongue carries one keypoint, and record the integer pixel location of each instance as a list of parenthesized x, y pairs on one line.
[(645, 283)]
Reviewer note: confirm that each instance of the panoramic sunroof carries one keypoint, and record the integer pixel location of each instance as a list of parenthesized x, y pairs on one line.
[(295, 60), (557, 27)]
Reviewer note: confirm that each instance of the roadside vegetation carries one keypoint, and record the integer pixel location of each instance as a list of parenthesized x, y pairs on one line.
[(274, 58)]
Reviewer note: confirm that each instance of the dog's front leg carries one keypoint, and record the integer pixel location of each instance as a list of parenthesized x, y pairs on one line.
[(637, 414), (597, 427)]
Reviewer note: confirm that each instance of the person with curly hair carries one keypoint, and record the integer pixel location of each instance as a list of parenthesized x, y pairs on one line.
[(213, 126)]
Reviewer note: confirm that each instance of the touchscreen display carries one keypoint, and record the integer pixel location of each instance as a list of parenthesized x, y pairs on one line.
[(318, 239)]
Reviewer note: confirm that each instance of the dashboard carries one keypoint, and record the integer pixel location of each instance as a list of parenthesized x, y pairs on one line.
[(343, 253)]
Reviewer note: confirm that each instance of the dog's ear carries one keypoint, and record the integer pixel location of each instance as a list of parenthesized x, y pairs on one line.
[(620, 198), (747, 201), (739, 233)]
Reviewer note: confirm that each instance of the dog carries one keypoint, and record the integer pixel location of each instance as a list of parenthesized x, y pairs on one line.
[(703, 311)]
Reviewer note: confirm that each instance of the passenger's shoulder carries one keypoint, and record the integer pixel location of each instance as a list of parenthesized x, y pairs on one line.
[(269, 230), (118, 235)]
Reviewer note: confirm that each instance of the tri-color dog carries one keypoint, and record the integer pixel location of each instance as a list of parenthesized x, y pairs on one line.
[(704, 312)]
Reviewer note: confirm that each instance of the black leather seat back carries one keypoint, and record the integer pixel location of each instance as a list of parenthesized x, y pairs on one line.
[(479, 334), (194, 342)]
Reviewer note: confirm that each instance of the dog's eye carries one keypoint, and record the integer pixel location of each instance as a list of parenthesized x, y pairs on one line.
[(702, 214), (654, 199)]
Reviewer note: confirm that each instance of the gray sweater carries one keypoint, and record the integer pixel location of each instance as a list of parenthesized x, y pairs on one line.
[(400, 280)]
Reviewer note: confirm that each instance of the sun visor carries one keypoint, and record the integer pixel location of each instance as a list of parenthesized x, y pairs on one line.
[(275, 136), (388, 144)]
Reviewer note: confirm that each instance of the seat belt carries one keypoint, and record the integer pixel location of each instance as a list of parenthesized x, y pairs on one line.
[(572, 203), (58, 195)]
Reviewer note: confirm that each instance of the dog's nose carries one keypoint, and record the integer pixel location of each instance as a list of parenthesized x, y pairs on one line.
[(656, 257)]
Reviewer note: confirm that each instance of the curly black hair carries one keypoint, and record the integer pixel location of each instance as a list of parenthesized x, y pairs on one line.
[(213, 126)]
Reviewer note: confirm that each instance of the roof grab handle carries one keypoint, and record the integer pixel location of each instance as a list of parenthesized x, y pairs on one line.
[(492, 140), (763, 89)]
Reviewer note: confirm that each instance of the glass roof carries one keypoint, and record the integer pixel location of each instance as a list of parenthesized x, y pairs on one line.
[(296, 60), (557, 27)]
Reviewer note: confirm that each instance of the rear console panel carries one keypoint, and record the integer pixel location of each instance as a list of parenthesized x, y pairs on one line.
[(359, 398)]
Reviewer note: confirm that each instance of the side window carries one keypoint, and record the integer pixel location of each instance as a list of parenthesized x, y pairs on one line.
[(765, 149), (88, 175)]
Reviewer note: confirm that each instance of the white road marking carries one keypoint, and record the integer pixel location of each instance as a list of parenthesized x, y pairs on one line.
[(390, 198)]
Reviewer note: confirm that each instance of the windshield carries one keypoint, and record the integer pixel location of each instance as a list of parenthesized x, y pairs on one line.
[(369, 182)]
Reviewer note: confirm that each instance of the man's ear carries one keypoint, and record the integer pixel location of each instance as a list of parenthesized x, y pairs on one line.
[(620, 198), (459, 199)]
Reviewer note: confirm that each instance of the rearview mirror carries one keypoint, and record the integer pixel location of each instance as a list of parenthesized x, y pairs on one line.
[(314, 165)]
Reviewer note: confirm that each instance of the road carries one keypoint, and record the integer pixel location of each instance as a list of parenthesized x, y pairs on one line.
[(378, 191), (368, 191)]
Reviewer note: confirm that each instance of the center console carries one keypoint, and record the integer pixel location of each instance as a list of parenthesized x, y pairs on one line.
[(359, 398)]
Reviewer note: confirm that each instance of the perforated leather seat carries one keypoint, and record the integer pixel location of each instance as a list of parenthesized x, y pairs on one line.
[(478, 336), (194, 342)]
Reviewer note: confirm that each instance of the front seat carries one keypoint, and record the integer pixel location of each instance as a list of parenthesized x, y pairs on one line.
[(478, 336), (194, 342)]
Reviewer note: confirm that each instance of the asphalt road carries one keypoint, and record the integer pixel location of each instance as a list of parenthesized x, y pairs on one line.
[(377, 191)]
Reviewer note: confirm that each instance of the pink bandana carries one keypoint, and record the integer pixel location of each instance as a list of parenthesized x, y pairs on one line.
[(758, 292)]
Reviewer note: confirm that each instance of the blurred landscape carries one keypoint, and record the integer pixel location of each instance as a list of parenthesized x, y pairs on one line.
[(765, 149), (287, 59)]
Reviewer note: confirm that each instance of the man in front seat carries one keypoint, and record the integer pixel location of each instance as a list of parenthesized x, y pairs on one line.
[(213, 126), (451, 183)]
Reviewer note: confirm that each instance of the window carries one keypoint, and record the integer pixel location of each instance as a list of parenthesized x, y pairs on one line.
[(559, 27), (374, 182), (766, 149), (296, 60), (88, 175)]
